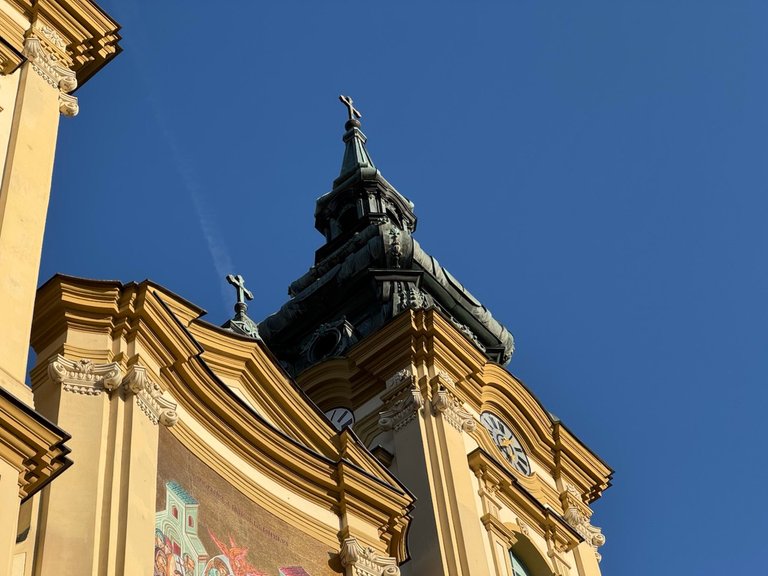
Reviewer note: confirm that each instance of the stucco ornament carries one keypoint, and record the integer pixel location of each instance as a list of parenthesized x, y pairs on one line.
[(149, 397), (577, 514), (84, 376), (402, 401), (365, 561), (48, 66), (445, 402)]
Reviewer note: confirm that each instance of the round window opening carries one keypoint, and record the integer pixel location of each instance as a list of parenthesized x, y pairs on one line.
[(324, 345)]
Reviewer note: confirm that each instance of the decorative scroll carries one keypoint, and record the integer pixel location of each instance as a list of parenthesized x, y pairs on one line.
[(402, 402), (360, 561), (47, 65), (149, 397), (84, 376), (578, 514), (446, 403)]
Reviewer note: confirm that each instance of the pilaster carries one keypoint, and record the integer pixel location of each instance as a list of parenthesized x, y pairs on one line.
[(428, 423), (24, 193), (99, 518), (47, 47)]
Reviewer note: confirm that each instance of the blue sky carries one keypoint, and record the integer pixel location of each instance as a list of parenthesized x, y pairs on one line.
[(594, 172)]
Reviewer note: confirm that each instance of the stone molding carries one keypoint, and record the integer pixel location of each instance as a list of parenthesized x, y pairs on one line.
[(149, 397), (445, 402), (84, 376), (48, 66), (365, 561), (402, 401), (578, 514)]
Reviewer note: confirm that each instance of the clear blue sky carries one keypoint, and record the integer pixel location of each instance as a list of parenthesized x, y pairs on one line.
[(594, 172)]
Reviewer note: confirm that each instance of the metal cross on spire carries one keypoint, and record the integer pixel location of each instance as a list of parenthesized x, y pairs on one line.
[(242, 291), (351, 110)]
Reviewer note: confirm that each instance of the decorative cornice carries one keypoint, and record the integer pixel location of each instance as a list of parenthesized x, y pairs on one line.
[(499, 490), (83, 376), (361, 561), (31, 444), (402, 401), (52, 36), (48, 66), (149, 397), (578, 514)]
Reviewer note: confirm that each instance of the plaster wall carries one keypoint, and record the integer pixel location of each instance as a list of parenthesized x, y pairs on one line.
[(31, 126)]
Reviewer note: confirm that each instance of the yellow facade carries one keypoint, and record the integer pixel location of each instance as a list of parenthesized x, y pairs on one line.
[(47, 48), (121, 364), (151, 436)]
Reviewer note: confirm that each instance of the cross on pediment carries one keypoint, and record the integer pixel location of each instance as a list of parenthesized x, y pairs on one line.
[(351, 110), (242, 292)]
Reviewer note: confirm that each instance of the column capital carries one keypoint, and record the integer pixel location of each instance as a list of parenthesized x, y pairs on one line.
[(49, 67), (446, 403), (402, 400), (65, 41), (365, 561), (84, 376), (149, 397)]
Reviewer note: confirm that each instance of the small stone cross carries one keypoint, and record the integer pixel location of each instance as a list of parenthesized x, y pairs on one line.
[(351, 110), (242, 291)]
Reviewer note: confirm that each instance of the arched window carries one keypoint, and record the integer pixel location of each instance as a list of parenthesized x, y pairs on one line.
[(175, 511), (518, 568), (190, 522)]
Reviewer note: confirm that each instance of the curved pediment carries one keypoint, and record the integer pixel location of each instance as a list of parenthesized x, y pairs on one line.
[(234, 407)]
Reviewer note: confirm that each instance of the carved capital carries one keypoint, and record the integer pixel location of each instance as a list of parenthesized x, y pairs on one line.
[(578, 515), (45, 62), (402, 401), (83, 376), (446, 403), (149, 397), (360, 561), (68, 104)]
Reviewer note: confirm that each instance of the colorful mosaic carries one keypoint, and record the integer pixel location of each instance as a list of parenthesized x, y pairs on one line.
[(205, 527)]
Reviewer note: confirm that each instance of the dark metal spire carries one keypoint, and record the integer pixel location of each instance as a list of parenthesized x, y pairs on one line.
[(355, 154)]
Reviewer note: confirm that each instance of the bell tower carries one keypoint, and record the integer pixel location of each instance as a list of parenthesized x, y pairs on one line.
[(369, 270), (386, 341)]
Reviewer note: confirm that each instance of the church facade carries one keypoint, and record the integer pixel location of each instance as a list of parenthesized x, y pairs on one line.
[(366, 428)]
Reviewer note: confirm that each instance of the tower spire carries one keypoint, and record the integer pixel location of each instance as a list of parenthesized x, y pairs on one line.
[(356, 156)]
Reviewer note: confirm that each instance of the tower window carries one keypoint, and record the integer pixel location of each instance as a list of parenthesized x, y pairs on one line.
[(175, 512), (348, 219), (190, 522), (518, 568), (324, 345)]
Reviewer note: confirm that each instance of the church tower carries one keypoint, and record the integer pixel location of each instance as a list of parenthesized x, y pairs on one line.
[(369, 270), (386, 341)]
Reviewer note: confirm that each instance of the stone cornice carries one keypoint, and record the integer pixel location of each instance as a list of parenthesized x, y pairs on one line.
[(507, 491), (576, 463), (31, 444), (81, 36), (65, 41)]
